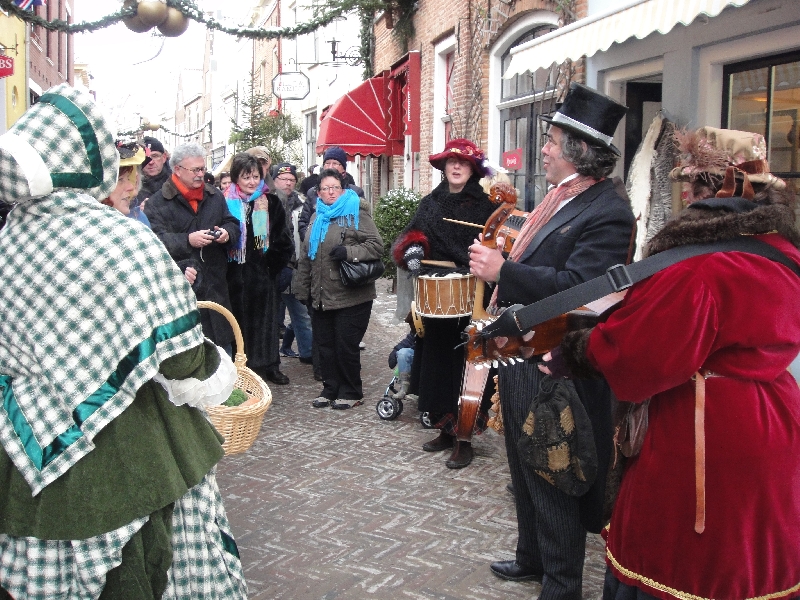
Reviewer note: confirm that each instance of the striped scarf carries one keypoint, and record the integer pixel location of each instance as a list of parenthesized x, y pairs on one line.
[(541, 215)]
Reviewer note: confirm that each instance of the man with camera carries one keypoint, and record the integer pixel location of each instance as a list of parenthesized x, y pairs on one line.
[(192, 219)]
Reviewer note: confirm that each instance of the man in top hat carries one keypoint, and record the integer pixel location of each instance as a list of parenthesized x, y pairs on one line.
[(581, 228)]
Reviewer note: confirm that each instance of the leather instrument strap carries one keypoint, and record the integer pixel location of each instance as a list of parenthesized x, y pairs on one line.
[(700, 451)]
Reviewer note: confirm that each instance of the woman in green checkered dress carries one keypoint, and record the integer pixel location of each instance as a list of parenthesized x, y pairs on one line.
[(107, 462)]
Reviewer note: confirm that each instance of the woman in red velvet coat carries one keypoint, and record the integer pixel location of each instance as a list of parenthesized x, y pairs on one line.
[(734, 317)]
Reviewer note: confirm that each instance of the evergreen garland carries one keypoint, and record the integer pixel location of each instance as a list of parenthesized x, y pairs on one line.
[(323, 16)]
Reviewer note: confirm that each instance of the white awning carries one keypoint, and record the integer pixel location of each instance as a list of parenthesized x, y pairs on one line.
[(636, 18)]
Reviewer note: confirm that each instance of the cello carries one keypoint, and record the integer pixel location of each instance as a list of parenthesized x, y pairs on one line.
[(505, 222)]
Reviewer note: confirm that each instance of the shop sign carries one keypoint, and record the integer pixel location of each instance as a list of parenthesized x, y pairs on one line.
[(293, 85), (512, 160), (6, 66)]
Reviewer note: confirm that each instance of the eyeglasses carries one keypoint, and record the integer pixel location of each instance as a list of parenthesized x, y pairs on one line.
[(330, 188), (292, 179), (195, 171)]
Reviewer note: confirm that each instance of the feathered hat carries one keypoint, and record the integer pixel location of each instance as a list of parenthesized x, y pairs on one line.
[(463, 149), (725, 152)]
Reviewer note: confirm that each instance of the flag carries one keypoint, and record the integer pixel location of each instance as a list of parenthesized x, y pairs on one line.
[(29, 4)]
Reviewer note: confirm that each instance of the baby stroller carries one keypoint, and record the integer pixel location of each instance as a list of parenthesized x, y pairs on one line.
[(389, 408)]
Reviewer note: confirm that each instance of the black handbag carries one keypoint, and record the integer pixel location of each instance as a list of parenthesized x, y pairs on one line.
[(557, 440), (355, 274), (358, 273)]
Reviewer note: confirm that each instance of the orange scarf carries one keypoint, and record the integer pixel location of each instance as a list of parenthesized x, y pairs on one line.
[(542, 214), (193, 196)]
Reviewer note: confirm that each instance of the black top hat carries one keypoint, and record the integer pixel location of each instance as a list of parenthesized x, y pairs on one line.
[(589, 114)]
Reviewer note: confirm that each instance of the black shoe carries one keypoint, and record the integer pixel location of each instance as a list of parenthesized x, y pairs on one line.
[(461, 456), (277, 377), (510, 488), (437, 444), (307, 360), (320, 402), (510, 570), (317, 377)]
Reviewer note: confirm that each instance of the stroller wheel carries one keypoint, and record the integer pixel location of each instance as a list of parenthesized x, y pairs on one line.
[(387, 408), (399, 407), (425, 420)]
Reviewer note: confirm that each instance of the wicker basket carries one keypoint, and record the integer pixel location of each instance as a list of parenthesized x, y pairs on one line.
[(239, 425)]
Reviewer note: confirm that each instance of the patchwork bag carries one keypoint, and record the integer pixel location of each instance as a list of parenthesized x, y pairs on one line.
[(557, 438)]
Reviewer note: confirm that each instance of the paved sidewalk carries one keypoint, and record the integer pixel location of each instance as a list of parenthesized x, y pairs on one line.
[(340, 504)]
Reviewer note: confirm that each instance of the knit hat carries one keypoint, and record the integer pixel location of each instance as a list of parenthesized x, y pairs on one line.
[(463, 149), (337, 154), (712, 150), (61, 142), (589, 114), (153, 144), (284, 168)]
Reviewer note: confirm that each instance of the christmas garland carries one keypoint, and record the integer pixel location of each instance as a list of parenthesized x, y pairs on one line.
[(190, 10), (153, 127)]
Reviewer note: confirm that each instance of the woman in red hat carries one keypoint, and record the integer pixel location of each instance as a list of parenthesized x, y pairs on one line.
[(438, 362)]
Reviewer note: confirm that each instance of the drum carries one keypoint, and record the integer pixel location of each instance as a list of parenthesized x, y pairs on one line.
[(445, 297)]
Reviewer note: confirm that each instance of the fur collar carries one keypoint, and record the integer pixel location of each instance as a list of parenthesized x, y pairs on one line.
[(696, 225)]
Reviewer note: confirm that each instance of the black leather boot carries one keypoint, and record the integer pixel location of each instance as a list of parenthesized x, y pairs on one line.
[(442, 442), (461, 457)]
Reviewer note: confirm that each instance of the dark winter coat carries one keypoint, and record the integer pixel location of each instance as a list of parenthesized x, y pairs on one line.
[(151, 185), (172, 220), (589, 234), (440, 239), (310, 207), (254, 292), (319, 279)]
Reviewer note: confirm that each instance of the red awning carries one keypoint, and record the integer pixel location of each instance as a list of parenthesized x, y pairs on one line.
[(358, 121)]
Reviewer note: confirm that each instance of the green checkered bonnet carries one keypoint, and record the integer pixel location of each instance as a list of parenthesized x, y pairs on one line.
[(61, 143), (91, 303)]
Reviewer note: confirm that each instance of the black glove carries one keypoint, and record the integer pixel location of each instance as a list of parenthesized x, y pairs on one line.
[(413, 255), (557, 365), (338, 253)]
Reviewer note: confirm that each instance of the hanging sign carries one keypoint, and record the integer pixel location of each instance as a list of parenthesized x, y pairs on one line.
[(512, 160), (292, 85), (6, 66)]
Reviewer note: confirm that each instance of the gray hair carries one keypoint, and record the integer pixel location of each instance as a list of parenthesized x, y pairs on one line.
[(595, 161), (184, 151)]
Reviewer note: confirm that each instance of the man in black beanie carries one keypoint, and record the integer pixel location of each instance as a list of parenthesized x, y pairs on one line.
[(155, 173)]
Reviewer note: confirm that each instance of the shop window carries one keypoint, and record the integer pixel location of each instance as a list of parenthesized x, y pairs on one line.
[(763, 96)]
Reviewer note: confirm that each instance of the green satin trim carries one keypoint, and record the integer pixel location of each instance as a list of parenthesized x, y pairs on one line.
[(228, 543), (89, 137), (41, 457)]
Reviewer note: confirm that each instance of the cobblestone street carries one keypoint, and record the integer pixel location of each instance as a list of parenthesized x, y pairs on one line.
[(340, 504)]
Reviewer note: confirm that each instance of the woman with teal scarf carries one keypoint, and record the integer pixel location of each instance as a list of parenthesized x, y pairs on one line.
[(341, 229), (265, 247)]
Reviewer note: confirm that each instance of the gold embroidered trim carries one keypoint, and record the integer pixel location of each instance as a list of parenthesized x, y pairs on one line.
[(684, 595)]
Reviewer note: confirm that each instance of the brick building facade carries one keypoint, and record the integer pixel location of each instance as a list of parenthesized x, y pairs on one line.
[(464, 48), (51, 53)]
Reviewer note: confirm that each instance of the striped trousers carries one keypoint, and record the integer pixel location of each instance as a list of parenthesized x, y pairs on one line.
[(552, 540)]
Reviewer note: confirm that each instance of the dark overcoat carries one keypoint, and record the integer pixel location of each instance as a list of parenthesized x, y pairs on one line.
[(172, 220), (590, 233)]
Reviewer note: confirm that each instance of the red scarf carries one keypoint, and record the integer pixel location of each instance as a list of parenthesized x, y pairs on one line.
[(543, 213), (193, 196)]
